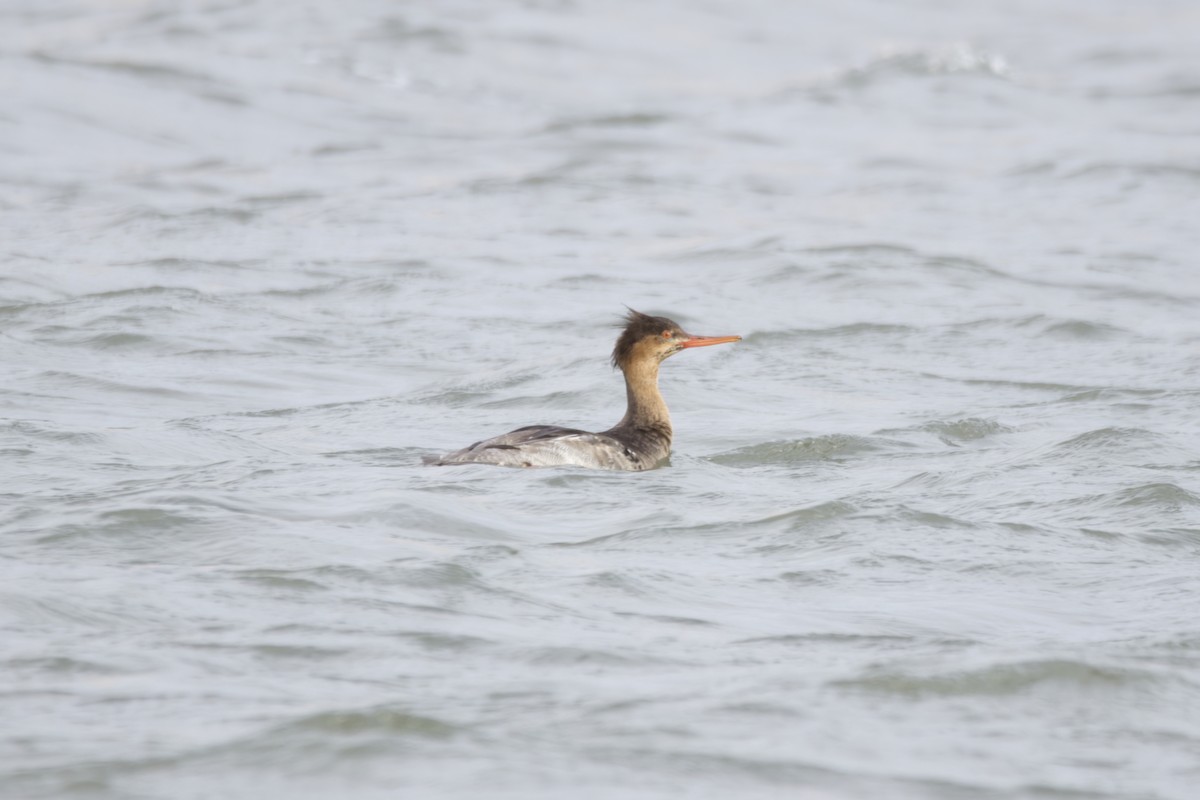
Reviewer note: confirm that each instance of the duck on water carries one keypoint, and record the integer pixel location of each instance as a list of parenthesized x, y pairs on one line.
[(641, 440)]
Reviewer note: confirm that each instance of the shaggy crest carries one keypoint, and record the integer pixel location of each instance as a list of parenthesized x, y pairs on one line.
[(639, 326)]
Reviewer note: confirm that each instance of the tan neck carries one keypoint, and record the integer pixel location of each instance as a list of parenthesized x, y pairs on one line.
[(645, 407)]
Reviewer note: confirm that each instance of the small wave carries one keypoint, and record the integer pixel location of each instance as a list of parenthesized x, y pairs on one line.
[(854, 330), (57, 613), (812, 577), (41, 431), (1082, 329), (390, 721), (833, 447), (803, 517), (1158, 513), (787, 523), (141, 299), (343, 148), (1110, 396), (1111, 441), (132, 525), (444, 642), (1043, 325), (281, 198), (115, 340), (847, 264), (380, 456), (886, 248), (204, 214), (631, 120), (1137, 170), (550, 400), (172, 265), (807, 639), (1156, 496), (280, 579), (138, 69), (581, 656), (968, 429), (1002, 679), (753, 249), (400, 31), (1038, 386), (584, 278), (668, 618), (932, 519), (627, 583), (73, 380), (1120, 176), (218, 214), (467, 394), (440, 576), (953, 60), (62, 665)]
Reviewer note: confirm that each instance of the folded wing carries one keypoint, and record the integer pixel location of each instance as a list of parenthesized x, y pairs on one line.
[(548, 446)]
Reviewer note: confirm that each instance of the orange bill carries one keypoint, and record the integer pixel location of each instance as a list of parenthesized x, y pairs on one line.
[(705, 341)]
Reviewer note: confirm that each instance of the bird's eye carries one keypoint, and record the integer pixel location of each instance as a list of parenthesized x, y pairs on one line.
[(667, 334)]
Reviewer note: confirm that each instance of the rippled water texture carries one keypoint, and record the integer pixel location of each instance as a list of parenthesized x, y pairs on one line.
[(931, 530)]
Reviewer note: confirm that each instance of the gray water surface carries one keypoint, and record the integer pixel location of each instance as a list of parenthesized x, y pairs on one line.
[(931, 530)]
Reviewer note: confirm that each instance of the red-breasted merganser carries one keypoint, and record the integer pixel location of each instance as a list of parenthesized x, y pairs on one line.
[(641, 440)]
